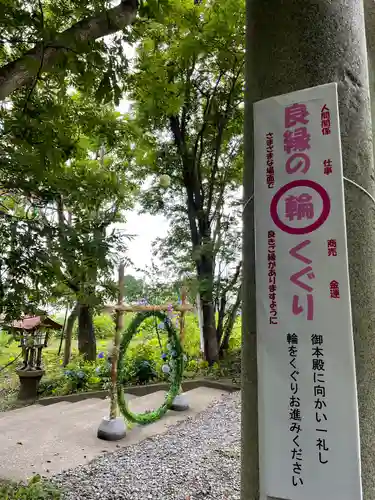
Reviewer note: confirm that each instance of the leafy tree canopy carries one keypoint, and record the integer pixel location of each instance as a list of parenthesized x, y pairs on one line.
[(187, 87), (63, 187), (64, 35)]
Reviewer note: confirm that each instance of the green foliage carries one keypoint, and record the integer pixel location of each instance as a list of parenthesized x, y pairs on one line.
[(104, 326), (143, 363), (188, 93), (5, 339), (60, 195), (143, 371), (35, 489), (78, 376), (81, 375), (92, 64), (133, 288)]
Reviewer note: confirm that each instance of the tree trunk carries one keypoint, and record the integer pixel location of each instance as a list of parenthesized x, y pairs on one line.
[(211, 346), (229, 324), (221, 310), (205, 277), (308, 43), (69, 333), (86, 335)]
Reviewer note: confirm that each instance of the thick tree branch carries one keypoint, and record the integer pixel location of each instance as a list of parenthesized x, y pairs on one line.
[(229, 324), (206, 112), (188, 180), (223, 182), (222, 122), (22, 71)]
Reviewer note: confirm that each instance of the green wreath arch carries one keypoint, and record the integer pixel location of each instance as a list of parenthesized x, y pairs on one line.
[(177, 368)]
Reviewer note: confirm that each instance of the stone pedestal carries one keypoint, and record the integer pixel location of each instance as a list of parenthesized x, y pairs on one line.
[(180, 403), (29, 383), (112, 429)]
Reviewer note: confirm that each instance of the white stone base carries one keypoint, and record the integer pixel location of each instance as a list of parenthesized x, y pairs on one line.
[(180, 403), (112, 430)]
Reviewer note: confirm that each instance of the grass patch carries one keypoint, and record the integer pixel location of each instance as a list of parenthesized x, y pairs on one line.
[(35, 489)]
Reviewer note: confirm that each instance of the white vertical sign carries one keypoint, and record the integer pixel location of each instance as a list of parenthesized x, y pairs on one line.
[(308, 411)]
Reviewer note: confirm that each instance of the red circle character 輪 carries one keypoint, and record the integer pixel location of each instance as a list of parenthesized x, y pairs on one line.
[(317, 223)]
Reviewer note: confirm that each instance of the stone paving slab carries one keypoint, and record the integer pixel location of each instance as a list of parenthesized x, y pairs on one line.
[(63, 437), (27, 412)]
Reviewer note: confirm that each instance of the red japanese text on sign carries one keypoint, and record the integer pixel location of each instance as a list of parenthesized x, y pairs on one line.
[(327, 167), (270, 171), (299, 207), (272, 287), (325, 117), (334, 289), (332, 248)]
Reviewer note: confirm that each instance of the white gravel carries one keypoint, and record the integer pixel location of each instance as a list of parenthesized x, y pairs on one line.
[(196, 459)]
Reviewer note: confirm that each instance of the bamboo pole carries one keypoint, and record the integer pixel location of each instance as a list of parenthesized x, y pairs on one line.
[(125, 308), (118, 330), (182, 321)]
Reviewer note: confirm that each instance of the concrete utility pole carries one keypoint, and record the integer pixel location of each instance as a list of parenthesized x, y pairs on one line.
[(290, 46), (369, 6)]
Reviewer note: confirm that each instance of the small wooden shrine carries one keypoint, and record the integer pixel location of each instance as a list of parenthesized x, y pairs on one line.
[(33, 333)]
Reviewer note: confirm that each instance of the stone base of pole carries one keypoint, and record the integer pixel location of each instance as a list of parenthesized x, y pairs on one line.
[(180, 403), (112, 429)]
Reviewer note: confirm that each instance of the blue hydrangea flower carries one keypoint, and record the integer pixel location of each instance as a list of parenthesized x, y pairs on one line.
[(101, 355), (67, 373), (97, 370), (173, 354), (164, 356), (80, 374), (161, 326), (165, 369)]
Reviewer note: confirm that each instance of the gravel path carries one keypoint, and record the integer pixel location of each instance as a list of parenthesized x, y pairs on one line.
[(196, 459)]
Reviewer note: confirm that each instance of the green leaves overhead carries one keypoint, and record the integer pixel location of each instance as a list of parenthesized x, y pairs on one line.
[(187, 88), (70, 165), (64, 37), (63, 178)]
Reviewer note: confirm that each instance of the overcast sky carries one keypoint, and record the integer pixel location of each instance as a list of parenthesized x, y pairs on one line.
[(145, 228)]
